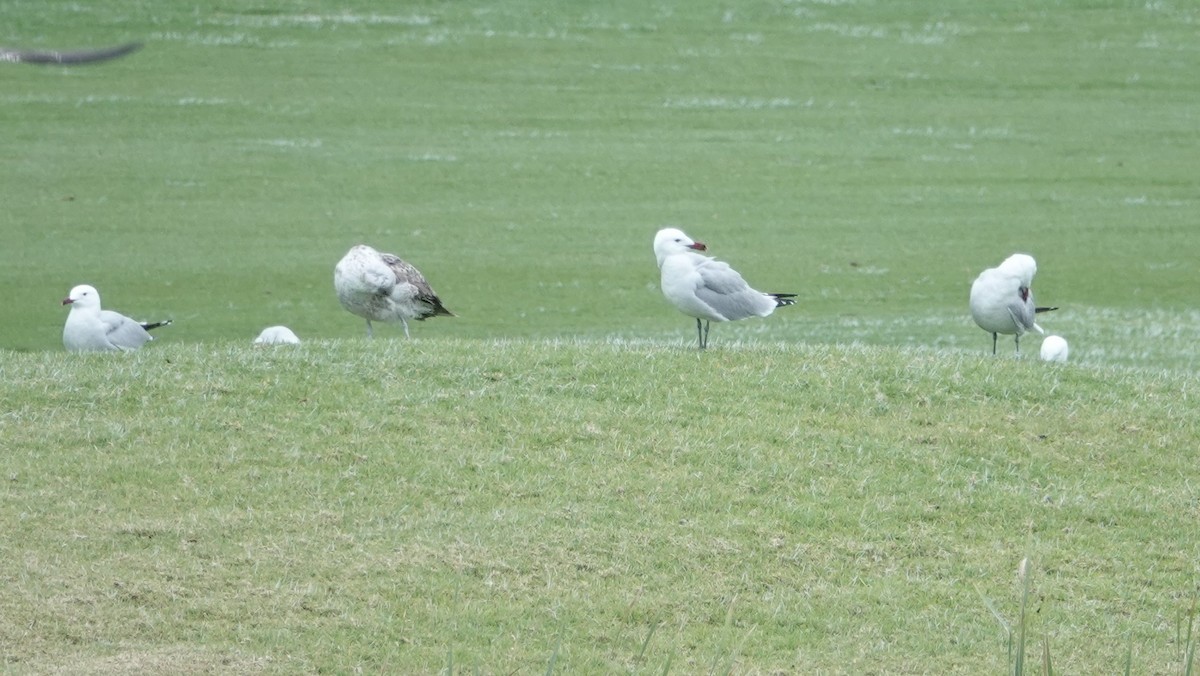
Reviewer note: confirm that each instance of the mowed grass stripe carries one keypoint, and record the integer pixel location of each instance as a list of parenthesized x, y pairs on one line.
[(387, 503), (877, 158), (554, 477)]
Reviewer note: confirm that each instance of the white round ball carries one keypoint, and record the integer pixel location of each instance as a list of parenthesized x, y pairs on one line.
[(274, 335), (1054, 348)]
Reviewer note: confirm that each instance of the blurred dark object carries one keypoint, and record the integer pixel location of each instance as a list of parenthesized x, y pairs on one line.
[(79, 56)]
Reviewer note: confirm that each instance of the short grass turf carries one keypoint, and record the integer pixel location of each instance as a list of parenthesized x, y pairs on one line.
[(401, 506), (871, 156), (553, 478)]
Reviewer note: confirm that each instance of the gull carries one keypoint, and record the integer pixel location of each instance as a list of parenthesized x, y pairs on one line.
[(277, 335), (8, 55), (381, 287), (1002, 299), (706, 288), (90, 329), (1054, 348)]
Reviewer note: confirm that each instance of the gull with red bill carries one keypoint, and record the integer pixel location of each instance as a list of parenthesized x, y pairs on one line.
[(91, 329), (706, 288)]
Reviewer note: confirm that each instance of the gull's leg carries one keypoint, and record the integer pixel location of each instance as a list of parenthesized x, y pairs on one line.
[(369, 328), (699, 333), (405, 323), (995, 336)]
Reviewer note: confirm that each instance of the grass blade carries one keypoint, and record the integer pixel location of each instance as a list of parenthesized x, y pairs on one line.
[(1008, 633), (554, 655), (646, 643), (1129, 655), (1019, 665), (1189, 641)]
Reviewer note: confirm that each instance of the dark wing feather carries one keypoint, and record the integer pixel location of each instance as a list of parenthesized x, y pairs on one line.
[(406, 273), (75, 57)]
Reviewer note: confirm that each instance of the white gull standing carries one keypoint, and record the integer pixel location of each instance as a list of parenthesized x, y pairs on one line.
[(706, 288), (91, 329), (381, 287), (1002, 299)]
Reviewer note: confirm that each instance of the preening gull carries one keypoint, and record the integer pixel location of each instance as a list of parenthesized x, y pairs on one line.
[(276, 335), (90, 329), (1002, 299), (1054, 348), (706, 288), (381, 287)]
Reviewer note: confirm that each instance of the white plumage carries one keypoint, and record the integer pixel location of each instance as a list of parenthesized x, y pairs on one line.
[(91, 329), (1002, 299), (381, 287), (705, 288)]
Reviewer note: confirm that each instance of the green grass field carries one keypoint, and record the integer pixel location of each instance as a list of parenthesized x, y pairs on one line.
[(553, 478), (872, 156)]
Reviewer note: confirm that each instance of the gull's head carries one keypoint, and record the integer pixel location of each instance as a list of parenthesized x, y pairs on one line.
[(1021, 266), (672, 241), (83, 296), (361, 251)]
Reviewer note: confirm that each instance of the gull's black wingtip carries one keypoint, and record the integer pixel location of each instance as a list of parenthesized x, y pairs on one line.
[(782, 299)]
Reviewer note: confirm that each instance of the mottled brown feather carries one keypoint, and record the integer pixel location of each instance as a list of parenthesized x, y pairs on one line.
[(406, 273)]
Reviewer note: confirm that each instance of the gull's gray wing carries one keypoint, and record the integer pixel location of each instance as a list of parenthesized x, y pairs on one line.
[(123, 331), (726, 292), (1022, 311)]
